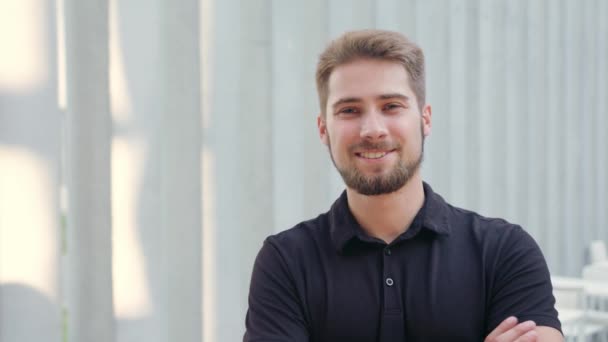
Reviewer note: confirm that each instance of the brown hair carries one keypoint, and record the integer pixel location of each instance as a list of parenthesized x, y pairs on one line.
[(375, 44)]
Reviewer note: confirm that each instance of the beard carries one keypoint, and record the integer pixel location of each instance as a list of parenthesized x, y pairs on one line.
[(382, 184)]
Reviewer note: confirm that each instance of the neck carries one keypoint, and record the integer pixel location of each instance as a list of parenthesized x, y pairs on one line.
[(387, 216)]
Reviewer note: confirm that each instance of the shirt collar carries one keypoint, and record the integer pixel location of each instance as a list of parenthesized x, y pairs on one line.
[(344, 227)]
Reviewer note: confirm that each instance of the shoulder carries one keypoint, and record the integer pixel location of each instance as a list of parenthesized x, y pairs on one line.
[(465, 225), (497, 242), (286, 259), (301, 235), (300, 243), (506, 250), (488, 230)]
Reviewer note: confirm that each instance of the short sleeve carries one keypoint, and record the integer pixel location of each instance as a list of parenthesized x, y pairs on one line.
[(275, 312), (521, 285)]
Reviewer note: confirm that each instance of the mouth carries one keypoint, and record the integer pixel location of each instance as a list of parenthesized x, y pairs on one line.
[(372, 154)]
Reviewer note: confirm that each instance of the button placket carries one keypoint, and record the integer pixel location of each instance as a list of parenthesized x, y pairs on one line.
[(392, 324), (391, 296), (388, 280)]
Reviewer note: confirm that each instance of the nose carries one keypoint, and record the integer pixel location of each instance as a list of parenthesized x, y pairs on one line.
[(373, 126)]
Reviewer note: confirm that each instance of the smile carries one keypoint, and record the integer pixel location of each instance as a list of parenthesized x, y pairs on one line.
[(372, 155)]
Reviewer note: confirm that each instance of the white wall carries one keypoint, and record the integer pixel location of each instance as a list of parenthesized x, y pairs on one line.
[(202, 141), (30, 133)]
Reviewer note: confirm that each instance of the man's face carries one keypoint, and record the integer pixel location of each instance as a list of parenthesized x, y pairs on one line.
[(373, 126)]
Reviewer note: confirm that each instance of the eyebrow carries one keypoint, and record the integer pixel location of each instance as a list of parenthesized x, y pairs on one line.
[(380, 97), (394, 96)]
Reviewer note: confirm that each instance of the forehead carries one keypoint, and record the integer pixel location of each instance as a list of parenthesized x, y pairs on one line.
[(364, 78)]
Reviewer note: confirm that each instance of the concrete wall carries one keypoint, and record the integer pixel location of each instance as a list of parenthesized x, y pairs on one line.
[(148, 147)]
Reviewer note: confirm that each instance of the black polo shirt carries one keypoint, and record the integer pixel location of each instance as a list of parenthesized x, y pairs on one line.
[(452, 276)]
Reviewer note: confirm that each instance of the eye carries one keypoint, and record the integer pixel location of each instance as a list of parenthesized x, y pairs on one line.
[(348, 111), (392, 106)]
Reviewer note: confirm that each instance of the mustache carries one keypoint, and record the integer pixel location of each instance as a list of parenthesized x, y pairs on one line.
[(366, 145)]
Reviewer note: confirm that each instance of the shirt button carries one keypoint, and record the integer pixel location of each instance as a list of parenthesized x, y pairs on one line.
[(387, 251), (389, 281)]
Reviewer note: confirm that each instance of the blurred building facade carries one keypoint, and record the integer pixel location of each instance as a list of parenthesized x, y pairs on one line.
[(148, 148)]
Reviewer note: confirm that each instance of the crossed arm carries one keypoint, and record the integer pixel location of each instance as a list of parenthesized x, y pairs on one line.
[(512, 331)]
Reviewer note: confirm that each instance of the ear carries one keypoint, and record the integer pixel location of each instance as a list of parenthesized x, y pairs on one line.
[(322, 126), (426, 119)]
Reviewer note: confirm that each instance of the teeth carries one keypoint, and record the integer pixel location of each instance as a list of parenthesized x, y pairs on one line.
[(373, 155)]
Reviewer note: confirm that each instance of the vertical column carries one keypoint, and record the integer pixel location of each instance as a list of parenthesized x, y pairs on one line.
[(255, 141), (432, 25), (140, 248), (511, 203), (571, 182), (473, 95), (459, 107), (238, 160), (554, 159), (535, 124), (89, 248), (601, 124), (238, 172), (180, 170), (300, 161), (587, 109), (492, 137), (30, 126)]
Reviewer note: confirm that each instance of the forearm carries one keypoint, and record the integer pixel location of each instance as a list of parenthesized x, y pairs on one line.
[(548, 334)]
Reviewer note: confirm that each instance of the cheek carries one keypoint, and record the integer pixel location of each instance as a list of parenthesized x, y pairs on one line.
[(343, 136), (413, 130), (339, 147)]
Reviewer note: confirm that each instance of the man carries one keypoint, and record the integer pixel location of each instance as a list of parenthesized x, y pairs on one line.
[(391, 260)]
